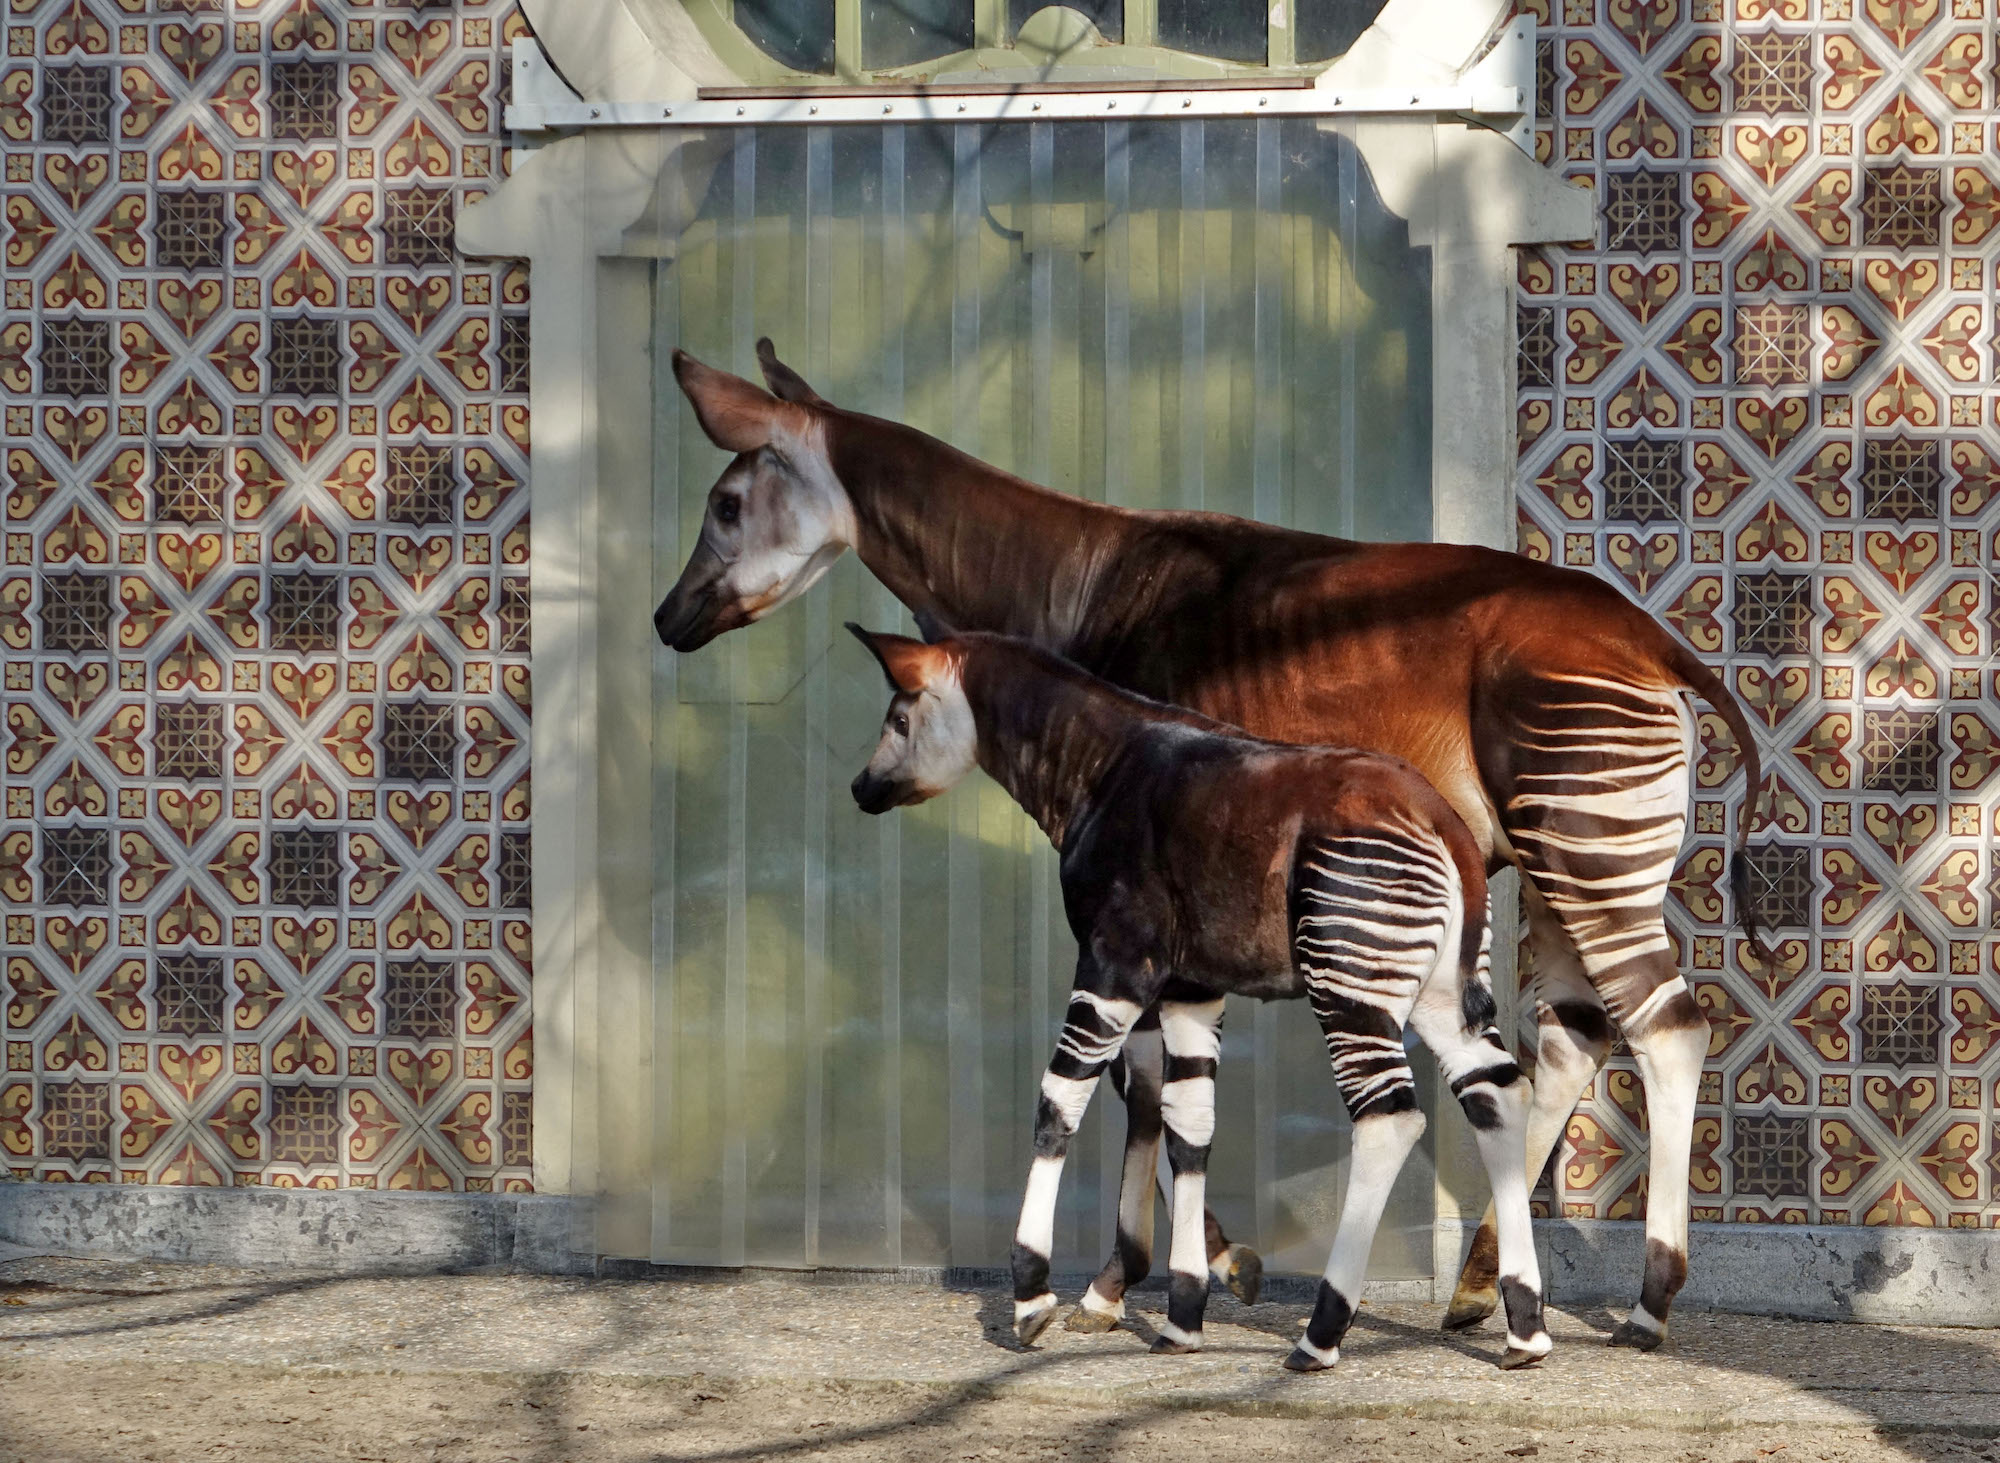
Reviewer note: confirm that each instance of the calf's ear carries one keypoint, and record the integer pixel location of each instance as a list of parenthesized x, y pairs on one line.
[(788, 384), (909, 664), (738, 415)]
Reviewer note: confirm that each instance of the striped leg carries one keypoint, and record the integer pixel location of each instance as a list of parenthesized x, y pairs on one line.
[(1192, 1031), (1596, 803), (1572, 1037), (1381, 1096), (1669, 1039), (1092, 1034), (1455, 1019), (1369, 918), (1136, 1077)]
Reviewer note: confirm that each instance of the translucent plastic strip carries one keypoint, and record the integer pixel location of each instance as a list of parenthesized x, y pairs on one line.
[(892, 226), (819, 304), (667, 558), (1266, 456), (736, 1015), (1194, 285), (1347, 332), (965, 972)]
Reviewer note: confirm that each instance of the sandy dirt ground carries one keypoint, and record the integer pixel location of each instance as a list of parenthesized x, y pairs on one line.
[(109, 1363), (97, 1413)]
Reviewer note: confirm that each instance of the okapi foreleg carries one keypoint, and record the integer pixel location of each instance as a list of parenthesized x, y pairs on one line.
[(1092, 1034), (1136, 1078), (1193, 1035)]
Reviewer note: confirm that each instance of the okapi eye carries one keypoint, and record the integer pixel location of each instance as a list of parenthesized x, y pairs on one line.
[(901, 724), (727, 511)]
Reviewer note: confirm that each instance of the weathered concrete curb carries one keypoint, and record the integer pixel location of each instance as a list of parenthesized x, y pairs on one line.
[(345, 1231), (1905, 1276), (1928, 1277)]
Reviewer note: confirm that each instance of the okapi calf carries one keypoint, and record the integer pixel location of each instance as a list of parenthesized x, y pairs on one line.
[(1199, 861)]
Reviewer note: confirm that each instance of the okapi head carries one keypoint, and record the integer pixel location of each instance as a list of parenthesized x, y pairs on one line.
[(929, 740), (777, 517)]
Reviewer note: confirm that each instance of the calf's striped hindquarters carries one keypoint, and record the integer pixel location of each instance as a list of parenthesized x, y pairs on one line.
[(1373, 908)]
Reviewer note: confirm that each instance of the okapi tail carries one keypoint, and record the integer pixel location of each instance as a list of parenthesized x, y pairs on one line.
[(1475, 940), (1706, 684)]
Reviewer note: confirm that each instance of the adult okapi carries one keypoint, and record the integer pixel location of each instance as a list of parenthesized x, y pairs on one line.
[(1197, 863), (1547, 708)]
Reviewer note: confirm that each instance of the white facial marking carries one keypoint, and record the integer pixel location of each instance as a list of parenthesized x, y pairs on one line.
[(791, 520), (934, 745)]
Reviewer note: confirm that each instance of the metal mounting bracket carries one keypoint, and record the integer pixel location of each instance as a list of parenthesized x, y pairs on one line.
[(1497, 92)]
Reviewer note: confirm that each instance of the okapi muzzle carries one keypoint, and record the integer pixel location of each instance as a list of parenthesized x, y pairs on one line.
[(692, 614), (874, 793)]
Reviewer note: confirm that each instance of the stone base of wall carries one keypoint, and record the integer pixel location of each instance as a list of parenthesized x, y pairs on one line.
[(1898, 1275), (345, 1230), (1907, 1276)]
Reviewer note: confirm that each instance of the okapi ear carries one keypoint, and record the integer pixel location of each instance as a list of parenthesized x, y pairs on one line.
[(738, 415), (785, 383), (909, 664)]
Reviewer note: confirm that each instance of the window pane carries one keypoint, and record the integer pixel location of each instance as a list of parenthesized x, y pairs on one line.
[(798, 33), (1107, 15), (904, 32), (1230, 29), (1326, 28)]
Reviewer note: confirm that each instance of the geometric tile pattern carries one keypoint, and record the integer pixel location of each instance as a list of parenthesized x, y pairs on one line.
[(1793, 288), (263, 616)]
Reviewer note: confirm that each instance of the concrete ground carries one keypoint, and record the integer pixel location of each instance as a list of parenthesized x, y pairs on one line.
[(103, 1361)]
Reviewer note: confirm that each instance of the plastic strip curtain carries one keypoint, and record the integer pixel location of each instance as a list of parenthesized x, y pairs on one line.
[(850, 1015)]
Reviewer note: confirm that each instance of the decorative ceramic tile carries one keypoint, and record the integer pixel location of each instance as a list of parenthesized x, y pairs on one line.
[(1760, 400), (264, 611)]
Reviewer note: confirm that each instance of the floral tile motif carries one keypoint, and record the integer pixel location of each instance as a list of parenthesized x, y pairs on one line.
[(264, 862), (1761, 401)]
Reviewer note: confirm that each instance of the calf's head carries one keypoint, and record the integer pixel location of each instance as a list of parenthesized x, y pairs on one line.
[(777, 518), (929, 740)]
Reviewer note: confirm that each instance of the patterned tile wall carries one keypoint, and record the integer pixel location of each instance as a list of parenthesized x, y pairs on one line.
[(264, 862), (1762, 401)]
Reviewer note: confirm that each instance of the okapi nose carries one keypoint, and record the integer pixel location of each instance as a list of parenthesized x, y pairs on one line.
[(868, 793)]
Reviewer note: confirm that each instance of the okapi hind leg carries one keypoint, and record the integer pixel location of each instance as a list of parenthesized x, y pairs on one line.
[(1135, 1077), (1382, 1141), (1192, 1033), (1573, 1035), (1093, 1031), (1238, 1267), (1373, 1074), (1669, 1039), (1457, 1025)]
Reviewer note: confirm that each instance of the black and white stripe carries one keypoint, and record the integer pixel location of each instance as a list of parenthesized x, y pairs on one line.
[(1596, 818)]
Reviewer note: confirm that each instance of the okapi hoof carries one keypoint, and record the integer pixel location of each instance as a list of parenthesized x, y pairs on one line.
[(1093, 1323), (1302, 1360), (1029, 1325), (1167, 1346), (1637, 1337), (1470, 1308), (1245, 1276), (1516, 1357)]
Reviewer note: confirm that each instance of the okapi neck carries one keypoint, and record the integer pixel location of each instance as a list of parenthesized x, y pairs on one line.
[(974, 547), (1046, 734)]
